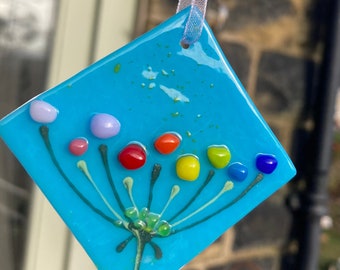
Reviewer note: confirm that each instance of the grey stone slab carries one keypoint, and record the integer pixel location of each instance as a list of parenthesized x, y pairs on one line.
[(247, 12), (267, 224), (284, 82)]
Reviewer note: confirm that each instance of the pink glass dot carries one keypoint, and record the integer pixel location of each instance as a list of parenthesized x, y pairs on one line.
[(78, 146)]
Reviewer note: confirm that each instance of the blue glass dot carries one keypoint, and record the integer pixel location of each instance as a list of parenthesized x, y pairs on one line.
[(266, 163), (237, 171)]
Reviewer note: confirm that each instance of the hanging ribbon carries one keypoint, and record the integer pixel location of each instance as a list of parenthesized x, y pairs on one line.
[(194, 25)]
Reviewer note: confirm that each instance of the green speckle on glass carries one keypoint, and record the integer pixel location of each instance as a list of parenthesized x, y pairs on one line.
[(188, 133), (175, 114), (142, 85), (69, 85), (199, 115), (211, 85), (117, 67), (164, 73), (169, 54)]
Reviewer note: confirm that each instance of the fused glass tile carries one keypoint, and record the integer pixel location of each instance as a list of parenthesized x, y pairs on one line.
[(151, 153)]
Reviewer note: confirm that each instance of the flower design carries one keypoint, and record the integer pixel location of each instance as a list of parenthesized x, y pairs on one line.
[(143, 224)]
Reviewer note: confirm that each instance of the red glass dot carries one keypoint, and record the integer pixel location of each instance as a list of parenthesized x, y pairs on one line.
[(133, 156)]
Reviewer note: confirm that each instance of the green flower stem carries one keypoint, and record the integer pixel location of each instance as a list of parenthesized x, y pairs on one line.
[(227, 186), (140, 250), (198, 192), (83, 167), (123, 244), (156, 170), (44, 132), (258, 179), (157, 250), (103, 153)]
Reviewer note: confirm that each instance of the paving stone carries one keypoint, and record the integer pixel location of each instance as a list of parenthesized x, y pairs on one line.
[(283, 82), (248, 12)]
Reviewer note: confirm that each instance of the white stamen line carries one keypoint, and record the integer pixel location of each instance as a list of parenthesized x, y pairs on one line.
[(227, 186), (83, 167)]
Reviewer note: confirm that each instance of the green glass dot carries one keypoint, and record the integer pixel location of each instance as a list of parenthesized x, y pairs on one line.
[(131, 212), (139, 224), (143, 214), (152, 220), (164, 229), (219, 156)]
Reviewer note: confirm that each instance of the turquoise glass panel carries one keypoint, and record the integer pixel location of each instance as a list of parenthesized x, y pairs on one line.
[(151, 153)]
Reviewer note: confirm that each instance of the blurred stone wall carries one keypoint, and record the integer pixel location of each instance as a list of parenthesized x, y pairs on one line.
[(25, 32), (274, 47)]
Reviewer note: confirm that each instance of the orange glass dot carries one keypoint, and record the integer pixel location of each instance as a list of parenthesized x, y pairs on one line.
[(167, 143)]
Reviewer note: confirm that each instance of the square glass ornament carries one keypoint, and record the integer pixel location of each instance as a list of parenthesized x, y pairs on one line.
[(151, 153)]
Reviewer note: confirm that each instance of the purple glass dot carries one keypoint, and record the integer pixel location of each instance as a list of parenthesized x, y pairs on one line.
[(42, 112), (237, 171), (104, 126), (266, 163)]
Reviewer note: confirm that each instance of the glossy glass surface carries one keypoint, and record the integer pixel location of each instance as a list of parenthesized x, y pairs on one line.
[(147, 217)]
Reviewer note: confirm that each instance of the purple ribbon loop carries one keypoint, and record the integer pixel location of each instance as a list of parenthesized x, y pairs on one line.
[(194, 24)]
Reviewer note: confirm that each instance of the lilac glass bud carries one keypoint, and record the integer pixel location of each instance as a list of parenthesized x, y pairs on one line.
[(42, 112), (104, 126)]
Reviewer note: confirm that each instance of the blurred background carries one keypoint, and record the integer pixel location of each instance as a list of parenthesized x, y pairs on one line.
[(287, 55)]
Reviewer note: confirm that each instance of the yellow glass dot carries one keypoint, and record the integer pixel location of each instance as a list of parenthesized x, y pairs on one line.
[(188, 167)]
